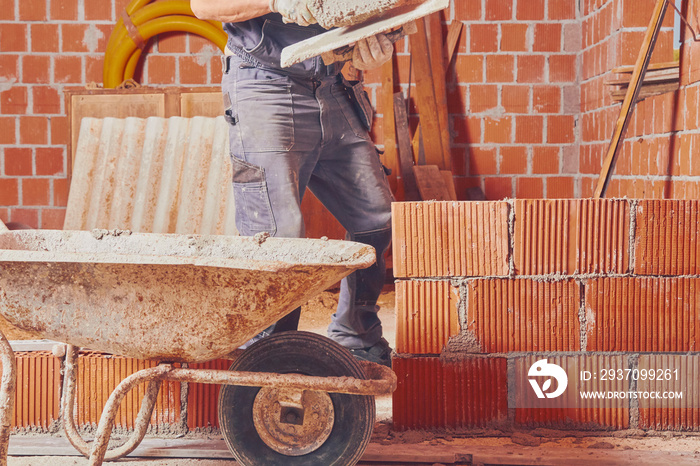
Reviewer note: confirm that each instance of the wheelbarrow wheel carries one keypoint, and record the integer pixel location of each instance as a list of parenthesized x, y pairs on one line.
[(332, 428)]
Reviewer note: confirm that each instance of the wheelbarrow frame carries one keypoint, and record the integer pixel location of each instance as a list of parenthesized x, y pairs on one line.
[(380, 381)]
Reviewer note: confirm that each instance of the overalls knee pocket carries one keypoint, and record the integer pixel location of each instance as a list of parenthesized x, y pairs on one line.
[(252, 200)]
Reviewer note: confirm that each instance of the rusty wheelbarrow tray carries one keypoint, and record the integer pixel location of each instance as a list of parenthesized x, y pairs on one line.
[(187, 299)]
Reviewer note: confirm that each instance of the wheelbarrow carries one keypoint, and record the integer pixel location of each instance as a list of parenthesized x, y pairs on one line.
[(291, 398)]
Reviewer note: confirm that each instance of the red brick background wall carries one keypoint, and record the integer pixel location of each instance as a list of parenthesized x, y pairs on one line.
[(530, 115)]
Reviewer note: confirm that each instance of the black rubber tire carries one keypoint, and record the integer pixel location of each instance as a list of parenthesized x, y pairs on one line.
[(304, 353)]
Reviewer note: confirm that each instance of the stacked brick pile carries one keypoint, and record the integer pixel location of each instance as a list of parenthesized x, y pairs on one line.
[(484, 289)]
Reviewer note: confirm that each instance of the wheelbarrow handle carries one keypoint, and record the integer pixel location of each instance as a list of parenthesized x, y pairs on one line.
[(343, 54)]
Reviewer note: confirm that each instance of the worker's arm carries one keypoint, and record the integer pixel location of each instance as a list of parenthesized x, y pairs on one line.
[(235, 11)]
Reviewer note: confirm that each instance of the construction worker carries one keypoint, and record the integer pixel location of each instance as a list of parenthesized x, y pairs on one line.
[(302, 127)]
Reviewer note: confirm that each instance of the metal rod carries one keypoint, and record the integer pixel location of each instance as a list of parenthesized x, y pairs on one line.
[(383, 385), (7, 395), (623, 120), (153, 375), (68, 402)]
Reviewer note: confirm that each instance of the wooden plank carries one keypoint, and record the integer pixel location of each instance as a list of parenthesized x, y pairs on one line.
[(640, 67), (666, 75), (431, 184), (437, 61), (646, 91), (449, 183), (426, 99), (208, 104), (454, 30), (405, 154), (390, 158), (651, 67), (453, 33)]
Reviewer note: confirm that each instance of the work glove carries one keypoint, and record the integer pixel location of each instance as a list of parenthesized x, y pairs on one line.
[(293, 11), (372, 52)]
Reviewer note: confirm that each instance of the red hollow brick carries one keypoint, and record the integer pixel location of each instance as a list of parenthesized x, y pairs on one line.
[(498, 10), (7, 130), (33, 130), (36, 192), (433, 394), (14, 101), (469, 69), (529, 188), (569, 410), (513, 160), (66, 10), (29, 217), (47, 100), (13, 37), (202, 410), (545, 160), (45, 37), (444, 239), (546, 99), (645, 314), (49, 161), (529, 129), (515, 98), (427, 316), (548, 37), (18, 161), (532, 10), (514, 37), (561, 10), (483, 161), (52, 219), (523, 315), (560, 187), (571, 237), (36, 69), (667, 237), (468, 10), (32, 10), (67, 69), (531, 68), (500, 68), (484, 38), (498, 130), (498, 188), (9, 191), (482, 97), (192, 72)]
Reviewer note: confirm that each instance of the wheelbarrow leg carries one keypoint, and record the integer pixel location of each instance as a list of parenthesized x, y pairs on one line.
[(154, 376), (7, 395), (109, 413)]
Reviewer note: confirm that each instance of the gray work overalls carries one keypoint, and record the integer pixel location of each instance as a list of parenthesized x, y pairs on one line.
[(296, 128)]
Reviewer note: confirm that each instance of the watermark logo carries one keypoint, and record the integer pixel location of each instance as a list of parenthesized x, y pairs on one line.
[(552, 371)]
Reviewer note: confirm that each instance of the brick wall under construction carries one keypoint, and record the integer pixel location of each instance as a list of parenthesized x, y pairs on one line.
[(485, 288)]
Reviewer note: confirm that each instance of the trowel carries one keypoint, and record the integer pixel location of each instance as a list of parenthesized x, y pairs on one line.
[(336, 44)]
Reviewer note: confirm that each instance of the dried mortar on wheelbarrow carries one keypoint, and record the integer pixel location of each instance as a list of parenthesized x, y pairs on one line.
[(164, 297)]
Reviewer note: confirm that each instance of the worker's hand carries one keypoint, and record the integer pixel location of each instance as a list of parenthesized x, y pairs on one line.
[(372, 52), (293, 11)]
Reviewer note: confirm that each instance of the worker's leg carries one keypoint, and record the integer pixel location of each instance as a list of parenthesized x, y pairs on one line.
[(350, 180), (274, 142)]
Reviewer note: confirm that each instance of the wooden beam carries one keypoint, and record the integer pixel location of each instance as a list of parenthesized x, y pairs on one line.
[(453, 33), (623, 120), (425, 96), (431, 184), (390, 158), (405, 154)]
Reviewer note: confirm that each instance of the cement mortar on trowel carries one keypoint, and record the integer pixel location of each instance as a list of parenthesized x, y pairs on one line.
[(341, 13)]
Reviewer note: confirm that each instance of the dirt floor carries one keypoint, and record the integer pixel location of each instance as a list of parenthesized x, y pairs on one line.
[(540, 446)]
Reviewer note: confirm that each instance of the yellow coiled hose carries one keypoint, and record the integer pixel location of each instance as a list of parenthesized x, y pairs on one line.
[(150, 19)]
